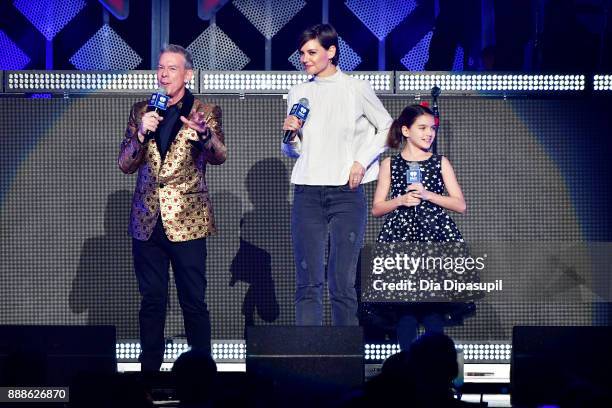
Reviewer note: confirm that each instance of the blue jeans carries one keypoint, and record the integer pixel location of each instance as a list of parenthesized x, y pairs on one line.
[(319, 213)]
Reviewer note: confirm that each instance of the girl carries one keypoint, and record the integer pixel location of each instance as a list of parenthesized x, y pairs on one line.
[(415, 212)]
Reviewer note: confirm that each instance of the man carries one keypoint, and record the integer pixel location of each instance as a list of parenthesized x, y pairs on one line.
[(171, 212)]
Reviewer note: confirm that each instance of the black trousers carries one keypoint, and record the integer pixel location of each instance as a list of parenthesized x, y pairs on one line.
[(151, 263)]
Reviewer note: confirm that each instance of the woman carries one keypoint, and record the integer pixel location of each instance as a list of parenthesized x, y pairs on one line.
[(337, 150)]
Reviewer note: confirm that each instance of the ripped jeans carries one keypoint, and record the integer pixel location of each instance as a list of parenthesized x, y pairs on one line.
[(319, 213)]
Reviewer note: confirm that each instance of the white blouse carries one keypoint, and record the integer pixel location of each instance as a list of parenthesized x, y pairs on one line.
[(347, 123)]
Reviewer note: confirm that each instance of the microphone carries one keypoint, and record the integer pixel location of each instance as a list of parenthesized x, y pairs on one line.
[(413, 175), (300, 110), (158, 102), (435, 92)]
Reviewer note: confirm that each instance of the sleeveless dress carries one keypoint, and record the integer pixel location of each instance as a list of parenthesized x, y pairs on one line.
[(426, 222)]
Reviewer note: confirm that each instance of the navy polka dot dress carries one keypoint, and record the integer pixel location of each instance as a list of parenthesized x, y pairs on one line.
[(429, 222)]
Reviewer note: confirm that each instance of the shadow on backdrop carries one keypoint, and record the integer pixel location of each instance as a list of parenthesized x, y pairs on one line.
[(264, 254), (106, 272)]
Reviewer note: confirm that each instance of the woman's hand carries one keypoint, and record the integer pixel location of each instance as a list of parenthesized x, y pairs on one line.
[(293, 124), (356, 175)]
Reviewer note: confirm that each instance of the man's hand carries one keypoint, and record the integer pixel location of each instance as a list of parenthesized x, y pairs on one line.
[(356, 175), (149, 123), (198, 123)]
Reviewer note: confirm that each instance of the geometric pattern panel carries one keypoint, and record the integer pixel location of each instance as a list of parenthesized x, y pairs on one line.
[(119, 8), (214, 50), (269, 16), (349, 59), (49, 16), (381, 16), (458, 63), (11, 56), (416, 58), (105, 50), (207, 8), (294, 59)]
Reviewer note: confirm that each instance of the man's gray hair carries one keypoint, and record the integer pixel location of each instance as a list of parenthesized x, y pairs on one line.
[(177, 49)]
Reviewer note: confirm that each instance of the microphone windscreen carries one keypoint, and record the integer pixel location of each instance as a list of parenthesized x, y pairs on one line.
[(304, 101)]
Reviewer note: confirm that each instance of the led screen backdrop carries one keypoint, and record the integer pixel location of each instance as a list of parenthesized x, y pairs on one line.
[(532, 170)]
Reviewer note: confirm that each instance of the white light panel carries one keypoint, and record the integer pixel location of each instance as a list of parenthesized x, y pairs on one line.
[(278, 82), (493, 352), (491, 82), (83, 81), (602, 82)]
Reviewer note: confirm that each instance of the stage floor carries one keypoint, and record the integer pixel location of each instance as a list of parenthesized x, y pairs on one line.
[(477, 377)]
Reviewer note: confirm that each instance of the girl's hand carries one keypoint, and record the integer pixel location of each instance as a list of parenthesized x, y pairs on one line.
[(408, 200), (419, 191)]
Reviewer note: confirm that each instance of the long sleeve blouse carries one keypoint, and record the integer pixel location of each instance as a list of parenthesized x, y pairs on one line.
[(347, 123)]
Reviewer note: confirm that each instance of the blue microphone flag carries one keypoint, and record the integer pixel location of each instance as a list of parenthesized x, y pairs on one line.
[(413, 174)]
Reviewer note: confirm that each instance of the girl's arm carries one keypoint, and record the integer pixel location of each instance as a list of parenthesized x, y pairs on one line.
[(381, 205), (454, 201)]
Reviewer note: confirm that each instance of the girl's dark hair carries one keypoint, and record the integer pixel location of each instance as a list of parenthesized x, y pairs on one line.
[(408, 116), (325, 34)]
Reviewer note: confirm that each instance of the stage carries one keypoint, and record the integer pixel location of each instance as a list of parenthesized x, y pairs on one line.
[(521, 93)]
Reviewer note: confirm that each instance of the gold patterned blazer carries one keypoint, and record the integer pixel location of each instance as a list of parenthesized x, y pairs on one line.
[(175, 187)]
